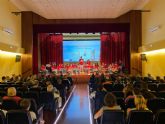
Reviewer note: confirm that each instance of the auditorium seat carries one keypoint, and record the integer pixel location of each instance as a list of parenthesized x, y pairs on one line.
[(118, 87), (20, 94), (140, 117), (37, 89), (2, 93), (118, 93), (120, 101), (154, 92), (161, 87), (34, 95), (18, 117), (155, 104), (108, 87), (160, 117), (152, 86), (113, 117), (9, 105), (161, 94), (38, 109), (2, 118), (47, 99)]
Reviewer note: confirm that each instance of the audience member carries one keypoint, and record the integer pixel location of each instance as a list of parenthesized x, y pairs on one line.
[(25, 104), (4, 79), (110, 104), (56, 94), (140, 104), (11, 95)]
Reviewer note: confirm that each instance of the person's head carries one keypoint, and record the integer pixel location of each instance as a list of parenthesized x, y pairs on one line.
[(50, 88), (35, 83), (59, 81), (128, 93), (25, 104), (144, 86), (3, 78), (11, 91), (48, 83), (140, 102), (158, 78), (136, 91), (110, 100)]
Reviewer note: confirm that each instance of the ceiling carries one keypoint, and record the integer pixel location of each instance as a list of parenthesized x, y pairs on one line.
[(79, 9)]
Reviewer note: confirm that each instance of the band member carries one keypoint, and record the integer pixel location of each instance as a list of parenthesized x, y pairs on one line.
[(48, 67), (81, 63), (88, 62)]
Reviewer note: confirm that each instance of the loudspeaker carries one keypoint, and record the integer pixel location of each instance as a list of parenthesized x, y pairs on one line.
[(17, 58), (143, 57)]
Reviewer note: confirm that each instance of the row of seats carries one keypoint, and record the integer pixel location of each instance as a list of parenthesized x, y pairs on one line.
[(135, 117), (16, 117), (119, 87)]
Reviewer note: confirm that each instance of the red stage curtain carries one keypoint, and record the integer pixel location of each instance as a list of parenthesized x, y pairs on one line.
[(51, 49), (115, 47)]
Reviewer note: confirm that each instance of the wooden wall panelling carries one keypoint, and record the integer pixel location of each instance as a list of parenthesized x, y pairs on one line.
[(27, 43), (135, 42)]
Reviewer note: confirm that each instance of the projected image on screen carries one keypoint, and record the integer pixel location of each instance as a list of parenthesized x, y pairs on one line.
[(88, 49)]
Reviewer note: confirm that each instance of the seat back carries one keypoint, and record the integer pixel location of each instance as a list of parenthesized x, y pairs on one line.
[(32, 94), (9, 105), (120, 101), (160, 117), (18, 117), (161, 94), (152, 86), (140, 117), (113, 117), (108, 87), (2, 117), (118, 93), (47, 99), (161, 87), (155, 104)]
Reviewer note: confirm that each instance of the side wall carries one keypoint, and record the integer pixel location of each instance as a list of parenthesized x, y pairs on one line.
[(8, 41), (154, 39)]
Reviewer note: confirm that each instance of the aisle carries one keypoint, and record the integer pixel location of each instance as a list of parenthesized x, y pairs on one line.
[(77, 110)]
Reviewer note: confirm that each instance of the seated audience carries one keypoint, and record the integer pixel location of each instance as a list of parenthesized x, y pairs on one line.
[(110, 104), (11, 95), (56, 94), (25, 104)]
